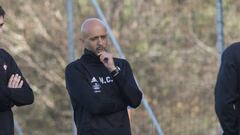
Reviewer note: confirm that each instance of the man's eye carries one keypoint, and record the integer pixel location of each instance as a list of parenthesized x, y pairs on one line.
[(94, 38), (103, 37)]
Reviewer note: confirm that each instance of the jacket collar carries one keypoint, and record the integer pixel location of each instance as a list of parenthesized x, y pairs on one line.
[(90, 57)]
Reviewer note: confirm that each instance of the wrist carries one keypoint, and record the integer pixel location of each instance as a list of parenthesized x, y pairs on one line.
[(110, 69), (115, 72)]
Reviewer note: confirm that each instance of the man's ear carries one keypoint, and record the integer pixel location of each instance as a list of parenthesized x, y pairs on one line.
[(82, 37), (81, 40)]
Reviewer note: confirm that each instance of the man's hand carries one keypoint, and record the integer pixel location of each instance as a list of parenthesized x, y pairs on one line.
[(15, 81), (107, 59)]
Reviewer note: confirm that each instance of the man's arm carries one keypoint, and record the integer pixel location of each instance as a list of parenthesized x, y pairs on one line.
[(81, 91), (128, 86), (18, 89), (5, 102), (124, 78)]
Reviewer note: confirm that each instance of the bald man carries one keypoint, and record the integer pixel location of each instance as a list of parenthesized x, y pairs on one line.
[(100, 86)]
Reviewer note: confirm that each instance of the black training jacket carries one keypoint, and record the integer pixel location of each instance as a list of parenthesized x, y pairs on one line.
[(227, 90), (11, 96), (100, 100)]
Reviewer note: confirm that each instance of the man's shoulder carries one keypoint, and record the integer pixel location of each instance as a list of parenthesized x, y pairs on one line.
[(120, 60), (233, 47), (74, 64), (3, 51), (231, 53), (5, 54)]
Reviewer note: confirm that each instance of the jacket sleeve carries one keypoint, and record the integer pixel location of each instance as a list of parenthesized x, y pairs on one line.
[(225, 94), (5, 102), (81, 92), (128, 86), (18, 96)]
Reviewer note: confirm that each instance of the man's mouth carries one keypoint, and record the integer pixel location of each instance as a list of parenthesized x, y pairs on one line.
[(100, 49)]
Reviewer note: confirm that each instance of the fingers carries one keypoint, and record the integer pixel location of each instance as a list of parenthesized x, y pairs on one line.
[(105, 56), (107, 59), (10, 81), (15, 81), (20, 84)]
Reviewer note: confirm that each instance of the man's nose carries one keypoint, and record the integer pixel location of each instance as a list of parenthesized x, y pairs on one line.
[(100, 40)]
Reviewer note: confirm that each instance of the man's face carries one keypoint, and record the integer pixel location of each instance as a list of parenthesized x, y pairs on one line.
[(1, 23), (95, 39)]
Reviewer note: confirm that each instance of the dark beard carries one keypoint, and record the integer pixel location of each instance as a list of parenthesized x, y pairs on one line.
[(100, 49)]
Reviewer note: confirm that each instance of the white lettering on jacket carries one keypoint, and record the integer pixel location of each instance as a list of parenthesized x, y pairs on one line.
[(105, 80), (96, 85)]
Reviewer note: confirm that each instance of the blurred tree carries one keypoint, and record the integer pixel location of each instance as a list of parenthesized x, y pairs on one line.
[(169, 43)]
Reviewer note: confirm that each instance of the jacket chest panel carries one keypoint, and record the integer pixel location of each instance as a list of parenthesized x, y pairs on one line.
[(101, 80), (3, 71)]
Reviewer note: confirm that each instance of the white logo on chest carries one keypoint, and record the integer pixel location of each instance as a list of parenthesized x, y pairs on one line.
[(95, 85), (103, 80), (4, 66)]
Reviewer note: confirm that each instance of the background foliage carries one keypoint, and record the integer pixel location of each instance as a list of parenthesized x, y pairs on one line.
[(169, 43)]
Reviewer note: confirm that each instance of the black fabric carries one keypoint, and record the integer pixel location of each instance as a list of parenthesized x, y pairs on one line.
[(99, 100), (11, 96), (227, 101), (6, 123)]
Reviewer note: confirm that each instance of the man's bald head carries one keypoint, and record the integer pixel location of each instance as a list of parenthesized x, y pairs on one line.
[(89, 23), (94, 35)]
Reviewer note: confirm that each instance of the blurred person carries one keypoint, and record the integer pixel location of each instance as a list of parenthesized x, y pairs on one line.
[(14, 90), (100, 86), (227, 91)]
